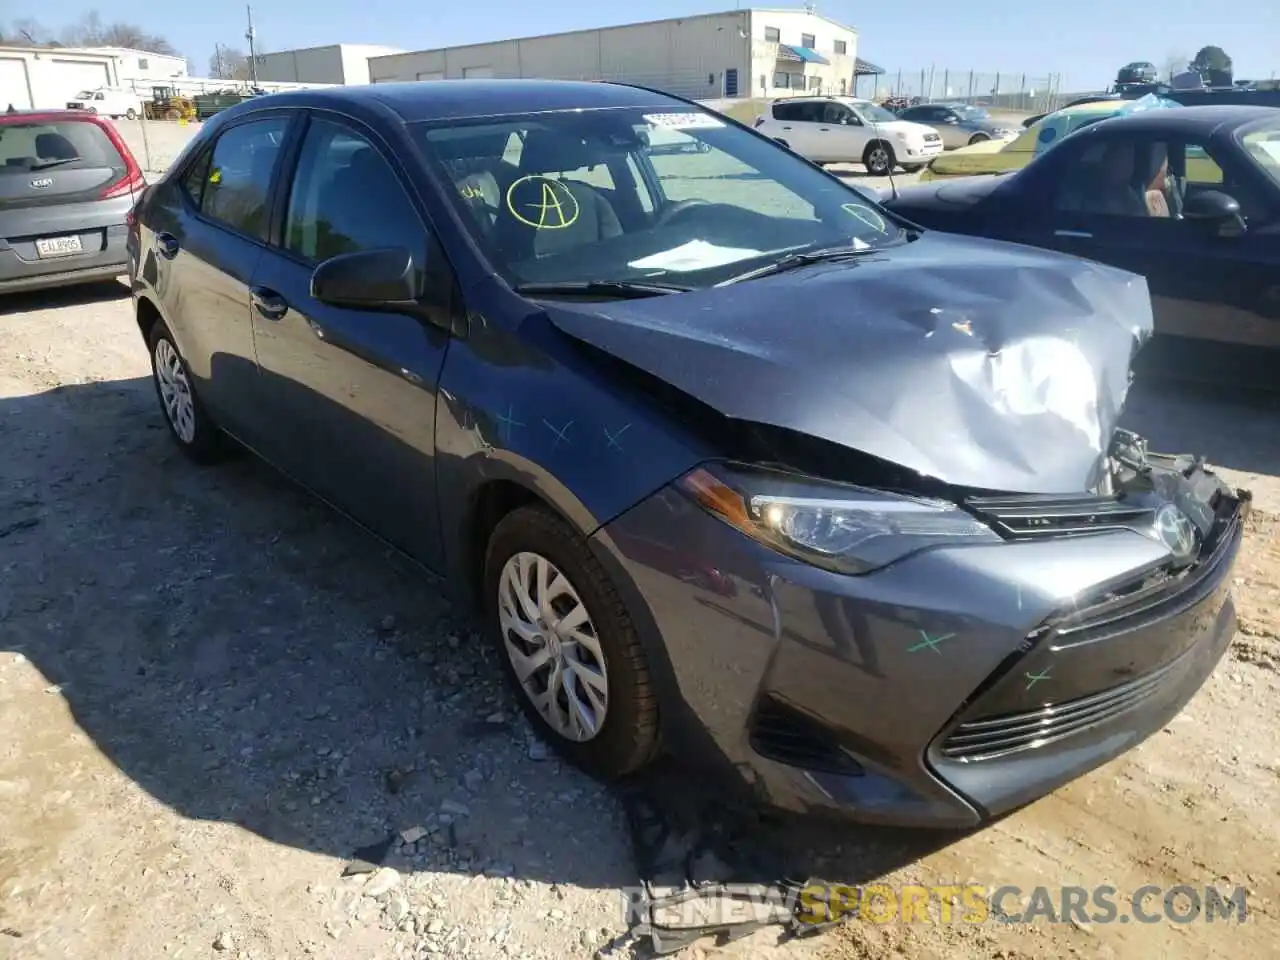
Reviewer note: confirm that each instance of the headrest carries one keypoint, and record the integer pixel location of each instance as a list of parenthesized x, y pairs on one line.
[(549, 151), (54, 146)]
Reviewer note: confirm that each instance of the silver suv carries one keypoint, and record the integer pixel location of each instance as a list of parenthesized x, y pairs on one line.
[(67, 184)]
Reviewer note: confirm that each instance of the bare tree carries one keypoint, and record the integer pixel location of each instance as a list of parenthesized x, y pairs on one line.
[(26, 32), (90, 31), (1174, 64), (229, 63)]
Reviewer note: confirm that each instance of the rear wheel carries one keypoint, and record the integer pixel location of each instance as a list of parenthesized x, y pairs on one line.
[(189, 425), (978, 138), (172, 114), (878, 158), (567, 645), (131, 113)]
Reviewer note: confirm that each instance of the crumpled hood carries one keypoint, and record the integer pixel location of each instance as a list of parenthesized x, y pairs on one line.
[(980, 363)]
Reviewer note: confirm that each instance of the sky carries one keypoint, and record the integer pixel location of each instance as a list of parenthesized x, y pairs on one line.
[(1084, 41)]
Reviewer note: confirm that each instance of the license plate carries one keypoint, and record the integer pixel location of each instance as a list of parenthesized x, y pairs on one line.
[(58, 246)]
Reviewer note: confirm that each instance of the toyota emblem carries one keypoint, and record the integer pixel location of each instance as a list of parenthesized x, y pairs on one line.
[(1176, 531), (42, 182)]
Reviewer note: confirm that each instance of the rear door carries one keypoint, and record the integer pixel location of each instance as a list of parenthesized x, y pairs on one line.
[(209, 227), (352, 393), (65, 189)]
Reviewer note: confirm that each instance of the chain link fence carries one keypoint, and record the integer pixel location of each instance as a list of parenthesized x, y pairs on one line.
[(994, 89)]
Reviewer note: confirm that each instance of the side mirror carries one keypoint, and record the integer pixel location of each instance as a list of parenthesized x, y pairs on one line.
[(369, 279), (1215, 208)]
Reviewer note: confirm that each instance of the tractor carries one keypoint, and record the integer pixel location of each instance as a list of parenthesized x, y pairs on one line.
[(167, 104)]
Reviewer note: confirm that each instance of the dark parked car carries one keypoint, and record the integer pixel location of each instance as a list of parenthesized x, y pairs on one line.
[(67, 183), (1188, 197), (734, 463)]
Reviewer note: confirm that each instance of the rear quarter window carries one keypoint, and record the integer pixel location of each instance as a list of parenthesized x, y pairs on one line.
[(64, 144)]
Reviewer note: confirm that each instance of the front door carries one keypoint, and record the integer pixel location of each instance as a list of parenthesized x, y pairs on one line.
[(1205, 283), (352, 392)]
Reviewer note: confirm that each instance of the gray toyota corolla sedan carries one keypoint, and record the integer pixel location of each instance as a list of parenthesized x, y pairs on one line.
[(734, 462)]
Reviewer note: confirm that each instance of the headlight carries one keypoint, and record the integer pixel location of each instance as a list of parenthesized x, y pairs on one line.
[(836, 526)]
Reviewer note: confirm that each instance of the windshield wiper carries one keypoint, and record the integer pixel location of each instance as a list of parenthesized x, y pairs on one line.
[(794, 260), (621, 289), (52, 163)]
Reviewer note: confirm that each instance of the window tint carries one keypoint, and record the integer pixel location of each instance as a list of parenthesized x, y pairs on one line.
[(193, 179), (1134, 177), (836, 113), (237, 183), (345, 198), (27, 146)]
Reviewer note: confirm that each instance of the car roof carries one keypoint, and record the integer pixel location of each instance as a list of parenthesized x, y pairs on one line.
[(1202, 121), (457, 99)]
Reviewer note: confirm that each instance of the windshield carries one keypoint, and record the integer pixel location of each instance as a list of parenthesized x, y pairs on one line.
[(870, 113), (84, 95), (684, 199), (970, 113), (1263, 146)]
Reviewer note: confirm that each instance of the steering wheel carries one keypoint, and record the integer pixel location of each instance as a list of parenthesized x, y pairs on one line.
[(680, 206)]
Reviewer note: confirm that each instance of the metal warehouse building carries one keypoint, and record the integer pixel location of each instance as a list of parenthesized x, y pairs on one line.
[(739, 53), (44, 77), (343, 63)]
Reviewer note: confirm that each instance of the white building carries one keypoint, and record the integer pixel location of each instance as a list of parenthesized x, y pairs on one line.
[(342, 63), (47, 77), (738, 53)]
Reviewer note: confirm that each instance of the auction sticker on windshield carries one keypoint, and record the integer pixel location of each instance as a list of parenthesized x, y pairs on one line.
[(694, 255), (682, 121)]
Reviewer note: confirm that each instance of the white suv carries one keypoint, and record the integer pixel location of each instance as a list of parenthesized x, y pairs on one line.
[(845, 130)]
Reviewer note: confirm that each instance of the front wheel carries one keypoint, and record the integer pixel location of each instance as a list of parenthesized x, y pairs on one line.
[(878, 158), (189, 425), (568, 646), (131, 113)]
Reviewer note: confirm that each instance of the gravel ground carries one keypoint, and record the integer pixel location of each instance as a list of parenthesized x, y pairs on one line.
[(214, 692)]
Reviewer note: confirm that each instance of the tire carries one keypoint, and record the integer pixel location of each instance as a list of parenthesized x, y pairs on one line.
[(626, 738), (978, 138), (913, 167), (878, 158), (131, 113), (172, 114), (195, 433)]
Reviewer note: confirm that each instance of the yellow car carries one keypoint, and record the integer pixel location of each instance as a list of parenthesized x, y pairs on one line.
[(994, 156)]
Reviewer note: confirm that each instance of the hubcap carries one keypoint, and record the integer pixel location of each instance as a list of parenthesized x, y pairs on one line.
[(553, 646), (175, 391), (879, 159)]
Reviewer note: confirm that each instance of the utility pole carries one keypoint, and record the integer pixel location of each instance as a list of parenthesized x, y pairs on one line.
[(253, 57)]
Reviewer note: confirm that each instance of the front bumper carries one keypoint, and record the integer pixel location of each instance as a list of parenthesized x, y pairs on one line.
[(919, 152), (943, 691)]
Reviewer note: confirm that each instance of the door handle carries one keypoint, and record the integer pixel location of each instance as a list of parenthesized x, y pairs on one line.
[(167, 244), (1081, 234), (786, 128), (268, 303), (824, 129)]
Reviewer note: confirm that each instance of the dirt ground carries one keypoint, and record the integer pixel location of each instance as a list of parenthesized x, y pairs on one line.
[(213, 691)]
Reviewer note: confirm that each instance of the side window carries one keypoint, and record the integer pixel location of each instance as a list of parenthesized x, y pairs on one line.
[(837, 113), (785, 111), (193, 179), (237, 184), (1121, 177), (345, 198), (809, 112)]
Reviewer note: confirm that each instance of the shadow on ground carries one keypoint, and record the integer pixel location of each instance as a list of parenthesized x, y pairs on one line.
[(248, 657), (84, 293)]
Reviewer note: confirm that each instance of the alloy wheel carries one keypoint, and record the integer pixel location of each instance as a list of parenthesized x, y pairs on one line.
[(554, 648), (878, 161), (175, 391)]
